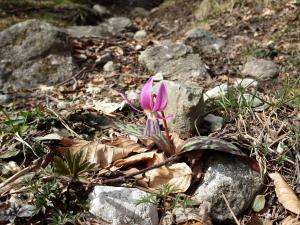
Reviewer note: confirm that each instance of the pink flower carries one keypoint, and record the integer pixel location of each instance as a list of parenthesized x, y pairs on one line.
[(151, 105)]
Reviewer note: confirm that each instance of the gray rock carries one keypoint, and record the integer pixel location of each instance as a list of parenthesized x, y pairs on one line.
[(139, 12), (117, 205), (139, 35), (119, 24), (109, 66), (260, 69), (215, 122), (187, 106), (228, 175), (4, 99), (175, 62), (100, 30), (101, 10), (34, 52), (250, 100), (203, 41)]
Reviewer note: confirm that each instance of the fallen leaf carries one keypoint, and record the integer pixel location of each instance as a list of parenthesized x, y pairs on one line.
[(148, 158), (178, 176), (259, 203), (99, 153), (291, 220), (286, 195), (106, 107)]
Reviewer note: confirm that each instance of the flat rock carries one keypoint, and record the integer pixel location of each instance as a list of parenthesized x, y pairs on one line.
[(100, 30), (228, 175), (113, 26), (117, 205), (203, 41), (186, 104), (175, 62), (260, 69), (119, 24), (32, 53)]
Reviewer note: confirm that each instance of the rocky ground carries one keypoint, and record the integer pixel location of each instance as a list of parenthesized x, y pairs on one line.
[(232, 73)]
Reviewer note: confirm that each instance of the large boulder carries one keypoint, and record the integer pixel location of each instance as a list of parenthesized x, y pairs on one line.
[(34, 52), (174, 62), (118, 205), (226, 174)]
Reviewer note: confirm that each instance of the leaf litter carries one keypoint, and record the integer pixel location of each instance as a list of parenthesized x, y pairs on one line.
[(266, 133)]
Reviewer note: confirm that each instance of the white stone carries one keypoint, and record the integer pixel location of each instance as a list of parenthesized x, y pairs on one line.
[(101, 10), (117, 205), (245, 83), (250, 100), (109, 66), (140, 35), (216, 92)]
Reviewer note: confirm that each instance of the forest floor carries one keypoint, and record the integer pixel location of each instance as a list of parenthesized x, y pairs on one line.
[(269, 30)]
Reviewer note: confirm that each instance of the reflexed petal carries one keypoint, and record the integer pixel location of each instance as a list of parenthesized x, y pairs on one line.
[(161, 99), (146, 95), (129, 102)]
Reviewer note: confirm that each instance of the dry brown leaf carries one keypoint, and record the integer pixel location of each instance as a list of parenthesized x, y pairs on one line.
[(149, 158), (286, 195), (178, 176), (291, 220), (99, 153)]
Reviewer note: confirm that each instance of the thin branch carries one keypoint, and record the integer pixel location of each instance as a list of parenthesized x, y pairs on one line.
[(123, 178)]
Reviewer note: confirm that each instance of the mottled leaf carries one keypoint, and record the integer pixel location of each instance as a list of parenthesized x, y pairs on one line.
[(208, 143)]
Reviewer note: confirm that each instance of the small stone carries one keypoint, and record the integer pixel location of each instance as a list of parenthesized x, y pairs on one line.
[(117, 205), (186, 104), (260, 69), (203, 41), (109, 66), (216, 122), (236, 180), (138, 47), (216, 92), (100, 30), (249, 100), (62, 105), (4, 99), (119, 24), (139, 35), (139, 12), (245, 83), (101, 10)]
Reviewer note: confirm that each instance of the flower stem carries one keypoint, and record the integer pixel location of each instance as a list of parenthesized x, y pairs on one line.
[(171, 147)]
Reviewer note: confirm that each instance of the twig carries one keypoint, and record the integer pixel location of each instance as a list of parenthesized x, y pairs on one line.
[(232, 213), (123, 178), (73, 77), (64, 123), (39, 163)]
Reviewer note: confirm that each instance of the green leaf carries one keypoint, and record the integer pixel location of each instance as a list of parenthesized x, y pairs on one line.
[(259, 203), (209, 143), (133, 129)]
